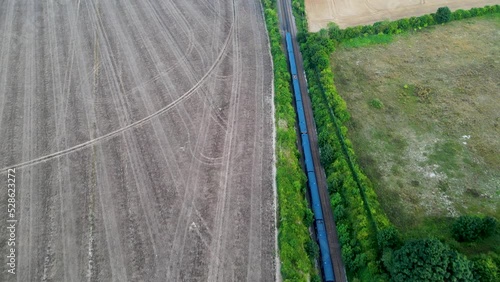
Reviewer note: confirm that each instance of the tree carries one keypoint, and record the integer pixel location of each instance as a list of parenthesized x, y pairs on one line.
[(443, 15), (388, 238), (429, 260), (485, 268), (334, 31), (459, 268), (326, 155), (467, 228)]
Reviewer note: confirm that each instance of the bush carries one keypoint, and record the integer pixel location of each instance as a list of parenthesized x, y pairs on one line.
[(429, 260), (467, 228), (376, 103), (489, 226), (457, 15), (312, 250), (485, 269), (426, 20), (467, 14), (443, 15), (404, 24), (334, 31), (471, 228), (367, 30), (389, 238), (339, 212)]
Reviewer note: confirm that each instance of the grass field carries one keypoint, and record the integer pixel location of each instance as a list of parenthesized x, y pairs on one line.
[(426, 123)]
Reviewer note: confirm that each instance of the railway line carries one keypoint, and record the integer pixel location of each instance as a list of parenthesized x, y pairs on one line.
[(287, 25)]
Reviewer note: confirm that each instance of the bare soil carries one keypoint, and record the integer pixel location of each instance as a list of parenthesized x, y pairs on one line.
[(425, 121), (141, 135), (347, 13)]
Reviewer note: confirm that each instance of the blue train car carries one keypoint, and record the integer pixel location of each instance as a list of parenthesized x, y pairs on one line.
[(326, 261), (296, 88), (302, 118), (315, 200), (307, 153), (291, 56)]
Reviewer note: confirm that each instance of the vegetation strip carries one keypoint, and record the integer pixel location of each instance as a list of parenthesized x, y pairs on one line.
[(297, 250), (368, 253), (442, 15), (352, 197)]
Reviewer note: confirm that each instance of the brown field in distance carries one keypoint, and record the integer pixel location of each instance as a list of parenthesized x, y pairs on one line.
[(347, 13)]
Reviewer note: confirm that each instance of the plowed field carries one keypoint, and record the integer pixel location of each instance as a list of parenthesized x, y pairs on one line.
[(141, 136)]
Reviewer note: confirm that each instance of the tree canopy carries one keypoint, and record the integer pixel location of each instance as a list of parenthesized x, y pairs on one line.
[(429, 260), (443, 15)]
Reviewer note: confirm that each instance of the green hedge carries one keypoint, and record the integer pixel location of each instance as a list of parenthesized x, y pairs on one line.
[(299, 12), (353, 199), (298, 252), (406, 24)]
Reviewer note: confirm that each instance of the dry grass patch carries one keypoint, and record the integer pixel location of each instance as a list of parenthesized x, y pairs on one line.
[(426, 121)]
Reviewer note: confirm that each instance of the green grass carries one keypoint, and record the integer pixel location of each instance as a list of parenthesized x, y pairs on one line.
[(376, 103), (446, 156), (425, 123), (368, 40)]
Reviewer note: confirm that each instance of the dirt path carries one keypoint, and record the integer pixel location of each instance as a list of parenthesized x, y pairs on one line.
[(347, 13), (141, 134)]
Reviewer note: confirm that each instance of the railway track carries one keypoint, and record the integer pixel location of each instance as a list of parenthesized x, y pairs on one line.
[(287, 24)]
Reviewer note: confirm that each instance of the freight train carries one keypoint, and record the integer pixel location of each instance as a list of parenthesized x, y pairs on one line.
[(326, 260)]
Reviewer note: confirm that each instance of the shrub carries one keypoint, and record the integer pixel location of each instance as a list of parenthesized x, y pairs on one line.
[(467, 14), (312, 249), (426, 20), (381, 27), (471, 228), (489, 226), (457, 15), (443, 15), (376, 103), (352, 32), (389, 238), (404, 24), (339, 212), (392, 28), (326, 155), (429, 260), (348, 256), (367, 30), (334, 31), (485, 269), (467, 228), (474, 12)]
